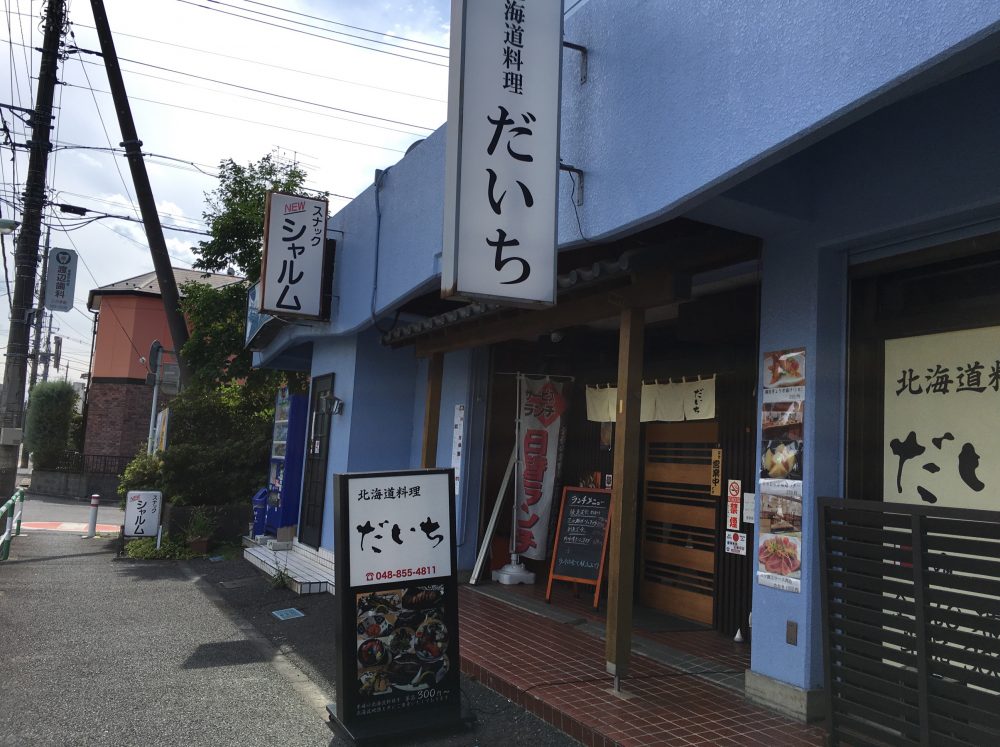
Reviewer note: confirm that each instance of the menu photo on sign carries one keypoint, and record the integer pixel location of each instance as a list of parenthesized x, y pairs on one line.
[(397, 615), (779, 549), (142, 513)]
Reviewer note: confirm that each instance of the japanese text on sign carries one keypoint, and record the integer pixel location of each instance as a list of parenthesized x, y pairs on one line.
[(399, 528), (294, 256), (142, 513), (503, 160)]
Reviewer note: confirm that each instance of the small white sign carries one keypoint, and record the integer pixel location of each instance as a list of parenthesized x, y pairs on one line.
[(736, 543), (749, 499), (400, 527), (60, 280), (502, 160), (457, 439), (733, 489), (732, 513), (293, 267), (142, 512)]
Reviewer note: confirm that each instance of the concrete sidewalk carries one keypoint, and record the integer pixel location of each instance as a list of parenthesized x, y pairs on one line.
[(99, 651)]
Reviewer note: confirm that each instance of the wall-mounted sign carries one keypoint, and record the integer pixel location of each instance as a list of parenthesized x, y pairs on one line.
[(60, 280), (294, 272), (142, 512), (942, 416), (748, 507), (716, 485), (733, 495), (736, 543), (502, 161), (397, 614)]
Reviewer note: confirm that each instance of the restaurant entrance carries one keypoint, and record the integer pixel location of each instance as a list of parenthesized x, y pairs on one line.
[(684, 579)]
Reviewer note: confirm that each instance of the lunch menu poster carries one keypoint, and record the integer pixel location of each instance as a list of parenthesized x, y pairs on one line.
[(783, 406)]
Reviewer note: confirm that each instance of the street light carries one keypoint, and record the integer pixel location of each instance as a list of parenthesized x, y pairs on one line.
[(8, 226)]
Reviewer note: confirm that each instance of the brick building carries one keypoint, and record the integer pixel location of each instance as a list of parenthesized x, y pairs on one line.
[(130, 318)]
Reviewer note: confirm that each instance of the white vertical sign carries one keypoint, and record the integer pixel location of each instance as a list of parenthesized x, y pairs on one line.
[(293, 268), (60, 280), (142, 512), (457, 438), (502, 163)]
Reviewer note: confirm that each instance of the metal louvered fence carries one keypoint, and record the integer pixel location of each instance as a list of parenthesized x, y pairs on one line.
[(911, 603)]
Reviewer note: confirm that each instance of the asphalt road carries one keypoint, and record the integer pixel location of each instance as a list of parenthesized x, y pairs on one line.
[(44, 508), (100, 651), (105, 652)]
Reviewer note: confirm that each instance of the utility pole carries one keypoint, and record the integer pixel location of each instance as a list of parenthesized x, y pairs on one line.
[(26, 253), (143, 190), (37, 336), (47, 355)]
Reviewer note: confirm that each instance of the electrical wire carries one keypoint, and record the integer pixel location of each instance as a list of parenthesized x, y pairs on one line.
[(251, 89), (283, 128), (317, 36), (345, 25), (250, 61), (114, 314), (284, 106), (329, 31)]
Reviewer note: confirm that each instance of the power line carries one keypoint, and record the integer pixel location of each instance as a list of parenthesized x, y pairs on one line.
[(320, 28), (345, 25), (252, 89), (318, 36), (284, 106), (283, 128), (247, 60), (100, 116)]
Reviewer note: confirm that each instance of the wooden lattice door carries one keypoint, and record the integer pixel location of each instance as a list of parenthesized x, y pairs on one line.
[(679, 521)]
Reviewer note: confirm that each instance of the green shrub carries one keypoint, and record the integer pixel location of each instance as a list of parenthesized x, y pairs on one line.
[(201, 525), (142, 473), (47, 423), (145, 549)]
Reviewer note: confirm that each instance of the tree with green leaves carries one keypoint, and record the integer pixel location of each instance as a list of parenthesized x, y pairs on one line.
[(47, 425), (220, 425), (235, 213)]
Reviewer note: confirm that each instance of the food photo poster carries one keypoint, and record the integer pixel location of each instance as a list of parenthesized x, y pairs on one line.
[(783, 407)]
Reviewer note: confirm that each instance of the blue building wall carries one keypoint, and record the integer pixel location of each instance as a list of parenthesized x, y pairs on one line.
[(917, 173), (812, 125), (683, 101)]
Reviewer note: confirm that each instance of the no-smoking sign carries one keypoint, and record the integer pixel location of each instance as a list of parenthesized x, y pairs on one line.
[(735, 489)]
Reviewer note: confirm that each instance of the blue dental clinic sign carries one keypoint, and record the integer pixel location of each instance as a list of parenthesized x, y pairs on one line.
[(397, 613)]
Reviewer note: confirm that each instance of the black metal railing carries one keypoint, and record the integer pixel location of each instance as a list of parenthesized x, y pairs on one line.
[(93, 464), (911, 602)]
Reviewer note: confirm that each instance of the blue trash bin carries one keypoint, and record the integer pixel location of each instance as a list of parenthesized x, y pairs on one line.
[(259, 511)]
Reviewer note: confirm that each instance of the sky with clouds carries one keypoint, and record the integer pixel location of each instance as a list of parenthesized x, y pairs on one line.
[(343, 87)]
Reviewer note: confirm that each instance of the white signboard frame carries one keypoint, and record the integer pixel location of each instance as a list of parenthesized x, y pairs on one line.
[(294, 273), (60, 279), (502, 157), (412, 533), (142, 512)]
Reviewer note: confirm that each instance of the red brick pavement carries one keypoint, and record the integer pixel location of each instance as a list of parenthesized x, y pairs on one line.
[(557, 673)]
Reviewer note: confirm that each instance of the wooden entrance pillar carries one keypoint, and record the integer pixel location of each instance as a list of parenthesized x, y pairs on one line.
[(432, 411), (625, 487)]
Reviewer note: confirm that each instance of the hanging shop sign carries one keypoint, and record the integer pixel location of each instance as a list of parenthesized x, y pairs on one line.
[(581, 539), (142, 513), (941, 419), (60, 280), (541, 405), (397, 615), (715, 487), (779, 547), (502, 159), (295, 276)]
